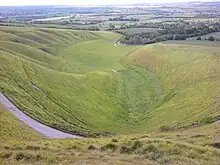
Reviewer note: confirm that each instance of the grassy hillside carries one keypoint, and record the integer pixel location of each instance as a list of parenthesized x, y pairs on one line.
[(21, 145), (189, 75), (82, 82), (13, 130)]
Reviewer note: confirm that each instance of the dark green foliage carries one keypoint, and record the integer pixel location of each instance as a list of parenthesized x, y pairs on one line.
[(109, 146), (208, 120), (6, 155), (27, 157), (125, 149), (199, 38), (131, 147), (121, 18), (92, 147), (173, 31), (114, 140), (211, 38), (137, 144), (165, 128)]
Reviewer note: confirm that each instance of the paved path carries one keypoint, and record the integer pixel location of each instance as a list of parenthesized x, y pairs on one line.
[(40, 128)]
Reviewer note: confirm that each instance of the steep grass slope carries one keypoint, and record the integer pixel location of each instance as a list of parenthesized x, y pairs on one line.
[(82, 82), (21, 145), (190, 79), (13, 130)]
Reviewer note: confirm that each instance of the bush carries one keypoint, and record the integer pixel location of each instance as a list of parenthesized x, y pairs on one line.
[(151, 148), (208, 120), (130, 148), (114, 140), (6, 155), (35, 148), (165, 128), (27, 156), (137, 144), (91, 147), (125, 149), (109, 146), (211, 38), (193, 155), (198, 38)]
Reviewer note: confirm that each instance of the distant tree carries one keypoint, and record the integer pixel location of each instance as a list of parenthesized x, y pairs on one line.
[(199, 38), (179, 37), (211, 38), (123, 26), (112, 26)]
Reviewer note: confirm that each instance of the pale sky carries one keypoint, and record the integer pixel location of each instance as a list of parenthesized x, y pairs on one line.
[(78, 2)]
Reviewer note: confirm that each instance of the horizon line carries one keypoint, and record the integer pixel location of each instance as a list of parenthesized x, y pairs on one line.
[(113, 4)]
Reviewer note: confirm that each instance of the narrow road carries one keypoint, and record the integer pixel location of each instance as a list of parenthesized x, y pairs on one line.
[(40, 128)]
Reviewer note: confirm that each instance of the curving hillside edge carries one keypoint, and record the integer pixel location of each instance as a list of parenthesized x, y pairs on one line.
[(42, 129)]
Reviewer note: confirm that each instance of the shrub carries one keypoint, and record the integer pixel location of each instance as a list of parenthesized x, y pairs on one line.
[(35, 148), (151, 148), (6, 147), (199, 38), (6, 155), (137, 144), (109, 146), (175, 150), (208, 120), (20, 156), (129, 148), (27, 156), (211, 38), (193, 155), (114, 140), (125, 149), (91, 147), (165, 128)]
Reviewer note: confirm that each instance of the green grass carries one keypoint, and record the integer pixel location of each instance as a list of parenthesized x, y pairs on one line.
[(21, 145), (169, 148), (13, 130), (89, 85), (189, 77)]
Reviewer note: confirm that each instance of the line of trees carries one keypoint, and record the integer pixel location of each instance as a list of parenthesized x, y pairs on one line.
[(172, 32), (124, 19)]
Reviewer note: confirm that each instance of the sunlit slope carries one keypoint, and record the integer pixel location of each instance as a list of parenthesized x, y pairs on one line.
[(190, 76), (45, 85), (11, 129), (83, 82)]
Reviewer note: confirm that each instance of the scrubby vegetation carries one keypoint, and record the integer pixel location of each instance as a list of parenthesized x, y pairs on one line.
[(24, 146), (169, 31)]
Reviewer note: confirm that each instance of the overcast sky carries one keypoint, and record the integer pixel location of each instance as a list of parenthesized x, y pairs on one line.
[(78, 2)]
